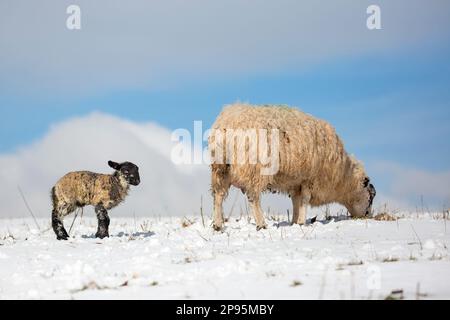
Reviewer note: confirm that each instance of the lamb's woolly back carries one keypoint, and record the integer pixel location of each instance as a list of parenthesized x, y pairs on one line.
[(83, 188)]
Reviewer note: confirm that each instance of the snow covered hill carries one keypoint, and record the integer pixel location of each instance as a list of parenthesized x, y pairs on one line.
[(179, 258)]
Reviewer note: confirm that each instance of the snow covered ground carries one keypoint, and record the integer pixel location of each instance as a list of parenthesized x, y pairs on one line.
[(170, 258)]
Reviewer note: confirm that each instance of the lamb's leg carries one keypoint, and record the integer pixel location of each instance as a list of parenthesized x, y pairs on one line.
[(58, 226), (255, 206), (103, 222), (219, 197), (300, 202)]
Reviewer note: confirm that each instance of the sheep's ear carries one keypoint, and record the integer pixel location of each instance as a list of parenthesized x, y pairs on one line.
[(114, 165), (366, 182), (373, 191)]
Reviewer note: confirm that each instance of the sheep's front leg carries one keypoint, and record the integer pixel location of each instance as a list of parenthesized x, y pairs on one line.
[(58, 226), (219, 197), (103, 222), (255, 206), (300, 202)]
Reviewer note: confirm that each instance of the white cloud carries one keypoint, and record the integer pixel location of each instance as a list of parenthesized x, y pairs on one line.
[(154, 44)]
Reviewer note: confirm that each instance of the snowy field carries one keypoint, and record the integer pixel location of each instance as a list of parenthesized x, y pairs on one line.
[(179, 258)]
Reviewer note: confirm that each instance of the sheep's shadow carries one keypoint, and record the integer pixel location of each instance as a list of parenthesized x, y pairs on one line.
[(284, 224), (121, 234)]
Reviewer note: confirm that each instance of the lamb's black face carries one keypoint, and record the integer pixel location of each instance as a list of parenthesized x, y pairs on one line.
[(128, 170)]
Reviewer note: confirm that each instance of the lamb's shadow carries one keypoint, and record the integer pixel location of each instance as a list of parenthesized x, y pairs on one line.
[(91, 236), (147, 234), (284, 224)]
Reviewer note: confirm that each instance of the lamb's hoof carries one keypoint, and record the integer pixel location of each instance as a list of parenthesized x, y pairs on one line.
[(62, 237), (102, 235), (259, 228)]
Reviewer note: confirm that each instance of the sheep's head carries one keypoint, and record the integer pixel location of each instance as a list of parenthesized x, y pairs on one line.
[(361, 204), (128, 170)]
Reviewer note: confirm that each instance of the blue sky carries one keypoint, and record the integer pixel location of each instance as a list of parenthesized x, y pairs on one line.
[(387, 106), (387, 92)]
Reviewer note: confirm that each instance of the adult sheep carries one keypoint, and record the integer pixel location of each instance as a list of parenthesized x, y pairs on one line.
[(103, 191), (313, 167)]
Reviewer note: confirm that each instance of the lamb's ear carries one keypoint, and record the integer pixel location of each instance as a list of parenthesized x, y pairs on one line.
[(114, 165)]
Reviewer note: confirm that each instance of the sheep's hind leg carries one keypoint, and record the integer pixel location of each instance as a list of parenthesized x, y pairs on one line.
[(255, 205), (220, 186), (58, 226), (103, 222), (300, 202)]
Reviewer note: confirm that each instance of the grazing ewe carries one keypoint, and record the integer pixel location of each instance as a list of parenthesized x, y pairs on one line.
[(103, 191), (313, 167)]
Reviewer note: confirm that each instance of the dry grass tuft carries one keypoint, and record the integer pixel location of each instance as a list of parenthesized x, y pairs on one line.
[(186, 223), (356, 263), (396, 295), (296, 283), (390, 259), (384, 217)]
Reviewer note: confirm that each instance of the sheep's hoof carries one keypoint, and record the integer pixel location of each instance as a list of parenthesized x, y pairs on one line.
[(259, 228), (217, 228)]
